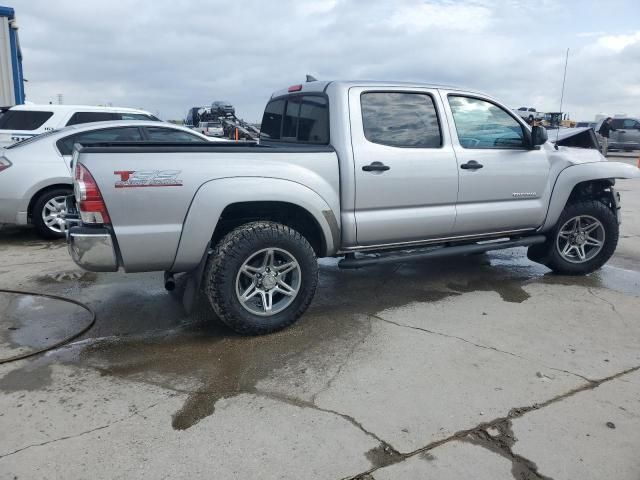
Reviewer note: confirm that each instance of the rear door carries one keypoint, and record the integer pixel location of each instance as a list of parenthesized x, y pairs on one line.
[(503, 183), (405, 169)]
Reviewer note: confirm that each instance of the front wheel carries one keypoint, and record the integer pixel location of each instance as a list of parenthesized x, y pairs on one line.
[(585, 237), (261, 277)]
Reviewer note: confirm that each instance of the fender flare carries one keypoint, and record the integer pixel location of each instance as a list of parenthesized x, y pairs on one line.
[(214, 196), (571, 176)]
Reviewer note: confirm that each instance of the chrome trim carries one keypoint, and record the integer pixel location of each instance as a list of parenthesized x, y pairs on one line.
[(93, 251), (433, 240)]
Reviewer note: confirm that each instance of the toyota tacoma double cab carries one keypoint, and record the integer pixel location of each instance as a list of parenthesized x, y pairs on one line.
[(370, 171)]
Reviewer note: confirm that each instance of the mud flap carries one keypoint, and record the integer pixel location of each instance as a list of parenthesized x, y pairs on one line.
[(194, 280)]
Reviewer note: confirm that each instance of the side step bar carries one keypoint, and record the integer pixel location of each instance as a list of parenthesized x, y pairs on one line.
[(351, 261)]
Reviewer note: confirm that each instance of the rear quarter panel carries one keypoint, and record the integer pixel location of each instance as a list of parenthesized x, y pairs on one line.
[(148, 221)]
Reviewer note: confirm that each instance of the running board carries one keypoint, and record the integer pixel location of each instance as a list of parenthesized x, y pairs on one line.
[(351, 261)]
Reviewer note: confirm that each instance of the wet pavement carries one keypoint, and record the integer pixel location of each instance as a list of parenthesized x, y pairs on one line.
[(485, 366)]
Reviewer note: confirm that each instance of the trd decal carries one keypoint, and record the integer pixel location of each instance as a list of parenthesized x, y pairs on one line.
[(148, 178)]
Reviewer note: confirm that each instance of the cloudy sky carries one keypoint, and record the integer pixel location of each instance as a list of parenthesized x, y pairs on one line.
[(168, 55)]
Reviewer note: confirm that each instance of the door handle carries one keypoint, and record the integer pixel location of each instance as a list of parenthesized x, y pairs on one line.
[(471, 165), (376, 167)]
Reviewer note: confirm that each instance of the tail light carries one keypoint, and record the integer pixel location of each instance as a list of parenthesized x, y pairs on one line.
[(4, 163), (90, 202)]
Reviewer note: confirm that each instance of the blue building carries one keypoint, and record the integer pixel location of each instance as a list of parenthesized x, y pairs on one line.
[(11, 79)]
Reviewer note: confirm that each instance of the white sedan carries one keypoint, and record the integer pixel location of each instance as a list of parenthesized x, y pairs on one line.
[(35, 175)]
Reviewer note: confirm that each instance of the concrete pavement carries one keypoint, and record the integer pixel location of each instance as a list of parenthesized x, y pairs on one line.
[(486, 367)]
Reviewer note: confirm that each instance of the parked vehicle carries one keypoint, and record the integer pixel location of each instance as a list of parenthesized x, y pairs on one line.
[(25, 121), (626, 135), (211, 129), (35, 175), (222, 109), (529, 114), (398, 172)]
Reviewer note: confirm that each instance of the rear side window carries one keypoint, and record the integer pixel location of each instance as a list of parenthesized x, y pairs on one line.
[(122, 134), (157, 134), (23, 119), (88, 117), (135, 116), (299, 119), (400, 119), (616, 123)]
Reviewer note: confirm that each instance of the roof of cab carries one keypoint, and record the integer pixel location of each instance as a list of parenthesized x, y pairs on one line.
[(322, 86)]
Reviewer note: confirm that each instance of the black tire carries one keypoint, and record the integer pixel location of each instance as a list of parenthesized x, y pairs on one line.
[(36, 213), (222, 272), (549, 254)]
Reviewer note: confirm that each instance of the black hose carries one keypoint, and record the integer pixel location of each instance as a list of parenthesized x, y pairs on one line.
[(61, 342)]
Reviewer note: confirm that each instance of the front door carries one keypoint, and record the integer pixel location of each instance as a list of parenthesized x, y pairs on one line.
[(503, 183), (627, 133), (406, 178)]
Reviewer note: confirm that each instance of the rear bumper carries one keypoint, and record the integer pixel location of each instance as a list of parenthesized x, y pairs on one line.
[(92, 248)]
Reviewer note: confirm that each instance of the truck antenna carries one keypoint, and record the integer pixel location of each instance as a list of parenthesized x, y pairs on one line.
[(564, 79)]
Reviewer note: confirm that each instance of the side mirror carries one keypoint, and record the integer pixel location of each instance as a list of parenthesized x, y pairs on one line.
[(538, 135)]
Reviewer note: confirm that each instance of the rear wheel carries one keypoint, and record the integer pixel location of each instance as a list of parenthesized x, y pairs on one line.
[(585, 237), (49, 213), (261, 277)]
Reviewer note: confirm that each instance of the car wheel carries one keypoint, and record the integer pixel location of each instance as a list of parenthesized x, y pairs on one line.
[(585, 237), (261, 277), (49, 213)]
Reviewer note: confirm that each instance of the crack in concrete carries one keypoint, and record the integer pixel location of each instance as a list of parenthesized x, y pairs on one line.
[(386, 454), (521, 468), (611, 304), (479, 430), (86, 432), (344, 363), (479, 345)]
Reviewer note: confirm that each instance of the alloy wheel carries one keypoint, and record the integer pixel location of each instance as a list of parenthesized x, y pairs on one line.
[(268, 281), (580, 239)]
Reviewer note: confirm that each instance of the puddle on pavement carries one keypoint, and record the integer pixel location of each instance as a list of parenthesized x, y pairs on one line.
[(208, 362), (28, 323)]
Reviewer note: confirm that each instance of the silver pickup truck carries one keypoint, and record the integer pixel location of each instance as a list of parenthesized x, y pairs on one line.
[(370, 171)]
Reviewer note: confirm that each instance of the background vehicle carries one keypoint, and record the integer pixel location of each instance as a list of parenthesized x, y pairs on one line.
[(210, 129), (222, 109), (35, 174), (399, 171), (586, 124), (626, 135), (529, 113), (25, 121)]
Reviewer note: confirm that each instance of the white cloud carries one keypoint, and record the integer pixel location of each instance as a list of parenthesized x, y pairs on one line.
[(618, 43), (445, 16)]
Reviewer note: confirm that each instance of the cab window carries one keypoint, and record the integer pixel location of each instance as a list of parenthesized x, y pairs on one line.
[(400, 119), (481, 124)]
